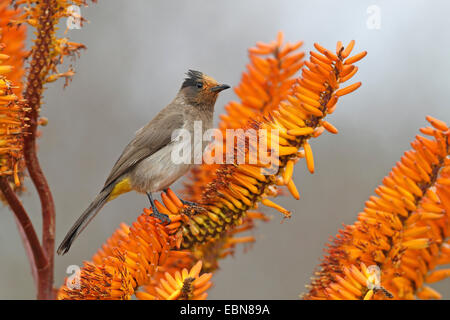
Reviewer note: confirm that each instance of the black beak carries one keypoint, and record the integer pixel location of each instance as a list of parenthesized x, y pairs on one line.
[(220, 87)]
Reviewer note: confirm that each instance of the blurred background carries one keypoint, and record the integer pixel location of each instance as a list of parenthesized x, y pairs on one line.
[(138, 52)]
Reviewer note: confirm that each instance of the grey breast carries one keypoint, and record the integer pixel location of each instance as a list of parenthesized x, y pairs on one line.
[(148, 140), (160, 170)]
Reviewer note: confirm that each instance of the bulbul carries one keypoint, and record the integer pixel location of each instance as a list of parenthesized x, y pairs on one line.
[(145, 164)]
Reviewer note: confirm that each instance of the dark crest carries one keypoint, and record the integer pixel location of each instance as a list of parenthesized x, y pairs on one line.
[(193, 77)]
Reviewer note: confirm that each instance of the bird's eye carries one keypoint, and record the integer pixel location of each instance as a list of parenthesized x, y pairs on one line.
[(199, 85)]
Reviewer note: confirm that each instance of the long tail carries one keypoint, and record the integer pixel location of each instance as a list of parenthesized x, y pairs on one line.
[(84, 220)]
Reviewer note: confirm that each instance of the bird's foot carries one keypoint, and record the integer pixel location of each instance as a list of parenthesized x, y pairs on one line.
[(192, 206), (189, 203), (161, 216), (185, 202), (156, 214)]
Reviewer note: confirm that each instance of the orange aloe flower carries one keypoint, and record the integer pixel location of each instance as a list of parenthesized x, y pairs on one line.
[(130, 258), (184, 285), (402, 232), (235, 188), (12, 118), (13, 38), (127, 262)]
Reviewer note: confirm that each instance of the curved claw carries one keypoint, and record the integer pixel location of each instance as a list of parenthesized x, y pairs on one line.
[(189, 203), (161, 216)]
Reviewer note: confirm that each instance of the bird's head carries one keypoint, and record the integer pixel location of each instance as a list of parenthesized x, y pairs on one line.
[(199, 89)]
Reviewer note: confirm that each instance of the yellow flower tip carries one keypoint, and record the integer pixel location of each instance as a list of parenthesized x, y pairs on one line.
[(293, 189), (202, 280), (8, 97), (285, 151), (369, 295), (329, 127), (288, 171), (309, 156), (6, 69), (196, 269), (301, 131), (275, 206), (417, 243)]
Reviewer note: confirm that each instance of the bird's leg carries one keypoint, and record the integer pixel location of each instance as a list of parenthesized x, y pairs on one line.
[(188, 203), (161, 216)]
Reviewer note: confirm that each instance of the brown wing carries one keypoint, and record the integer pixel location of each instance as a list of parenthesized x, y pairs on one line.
[(148, 140)]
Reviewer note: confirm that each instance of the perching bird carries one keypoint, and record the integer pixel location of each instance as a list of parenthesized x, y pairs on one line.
[(146, 163)]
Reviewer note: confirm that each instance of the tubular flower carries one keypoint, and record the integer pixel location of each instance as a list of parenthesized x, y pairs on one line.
[(184, 285), (402, 232), (12, 121)]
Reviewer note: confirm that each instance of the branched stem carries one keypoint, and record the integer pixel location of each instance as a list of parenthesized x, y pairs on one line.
[(39, 67), (36, 255)]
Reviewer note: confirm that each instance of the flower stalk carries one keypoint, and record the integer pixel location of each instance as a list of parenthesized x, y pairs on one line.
[(33, 92)]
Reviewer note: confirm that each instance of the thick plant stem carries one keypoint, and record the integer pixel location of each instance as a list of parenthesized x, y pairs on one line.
[(38, 260), (38, 70)]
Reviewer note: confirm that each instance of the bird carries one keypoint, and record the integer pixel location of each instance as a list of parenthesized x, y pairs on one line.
[(145, 164)]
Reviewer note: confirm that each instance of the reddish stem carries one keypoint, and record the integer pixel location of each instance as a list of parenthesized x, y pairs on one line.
[(45, 291), (36, 255), (38, 69)]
